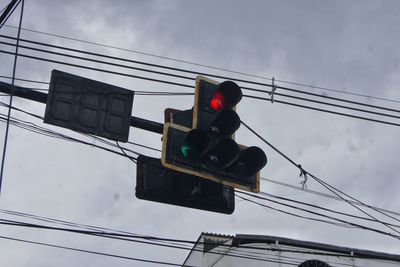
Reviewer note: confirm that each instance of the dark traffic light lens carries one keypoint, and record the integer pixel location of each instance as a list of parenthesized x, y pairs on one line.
[(223, 155), (251, 161), (225, 124)]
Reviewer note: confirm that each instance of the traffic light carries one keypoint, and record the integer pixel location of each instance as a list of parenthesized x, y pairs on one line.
[(208, 149), (156, 183)]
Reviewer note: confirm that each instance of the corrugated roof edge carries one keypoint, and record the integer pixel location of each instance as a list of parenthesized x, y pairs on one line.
[(241, 239), (217, 235), (205, 234)]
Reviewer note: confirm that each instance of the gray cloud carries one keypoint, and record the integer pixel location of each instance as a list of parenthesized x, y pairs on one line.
[(342, 45)]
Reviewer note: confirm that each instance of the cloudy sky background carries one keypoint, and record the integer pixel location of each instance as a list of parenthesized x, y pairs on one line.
[(351, 46)]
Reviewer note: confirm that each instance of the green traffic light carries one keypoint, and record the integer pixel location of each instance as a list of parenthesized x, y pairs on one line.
[(188, 151), (195, 144)]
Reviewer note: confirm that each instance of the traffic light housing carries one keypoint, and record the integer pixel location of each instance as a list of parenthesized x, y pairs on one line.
[(208, 149), (156, 183)]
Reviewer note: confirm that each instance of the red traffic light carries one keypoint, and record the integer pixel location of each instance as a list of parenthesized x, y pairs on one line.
[(218, 102), (227, 95)]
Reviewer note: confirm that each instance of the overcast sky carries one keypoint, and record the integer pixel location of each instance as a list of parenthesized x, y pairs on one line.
[(350, 46)]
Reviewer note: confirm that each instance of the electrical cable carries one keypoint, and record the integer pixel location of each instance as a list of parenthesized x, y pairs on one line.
[(186, 71), (304, 173), (89, 227), (133, 238), (3, 158), (323, 215), (334, 190), (190, 86), (84, 134), (24, 80), (89, 251), (325, 111), (42, 118), (334, 197), (9, 14), (54, 134), (68, 138), (97, 69), (297, 166), (109, 143), (148, 147), (122, 238), (123, 151), (324, 209), (4, 8), (294, 97), (346, 225), (207, 66), (247, 255)]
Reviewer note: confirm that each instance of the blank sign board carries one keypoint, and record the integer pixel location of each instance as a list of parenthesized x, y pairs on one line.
[(89, 106)]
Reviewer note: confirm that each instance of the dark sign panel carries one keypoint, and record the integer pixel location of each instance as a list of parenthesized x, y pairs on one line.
[(159, 184), (89, 106)]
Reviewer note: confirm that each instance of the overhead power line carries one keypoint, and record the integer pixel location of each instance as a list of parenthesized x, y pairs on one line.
[(337, 220), (125, 155), (343, 222), (49, 133), (334, 197), (103, 141), (329, 187), (180, 70), (325, 209), (251, 254), (206, 66), (115, 233), (7, 11), (128, 238), (55, 134), (249, 96), (89, 251)]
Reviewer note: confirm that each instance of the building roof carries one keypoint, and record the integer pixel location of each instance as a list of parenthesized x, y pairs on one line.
[(359, 253), (208, 241)]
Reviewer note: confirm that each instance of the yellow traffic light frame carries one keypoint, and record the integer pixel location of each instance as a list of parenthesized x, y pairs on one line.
[(196, 100), (196, 97), (198, 172)]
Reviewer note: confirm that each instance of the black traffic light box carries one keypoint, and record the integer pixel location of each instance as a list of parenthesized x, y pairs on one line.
[(156, 183), (208, 149)]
